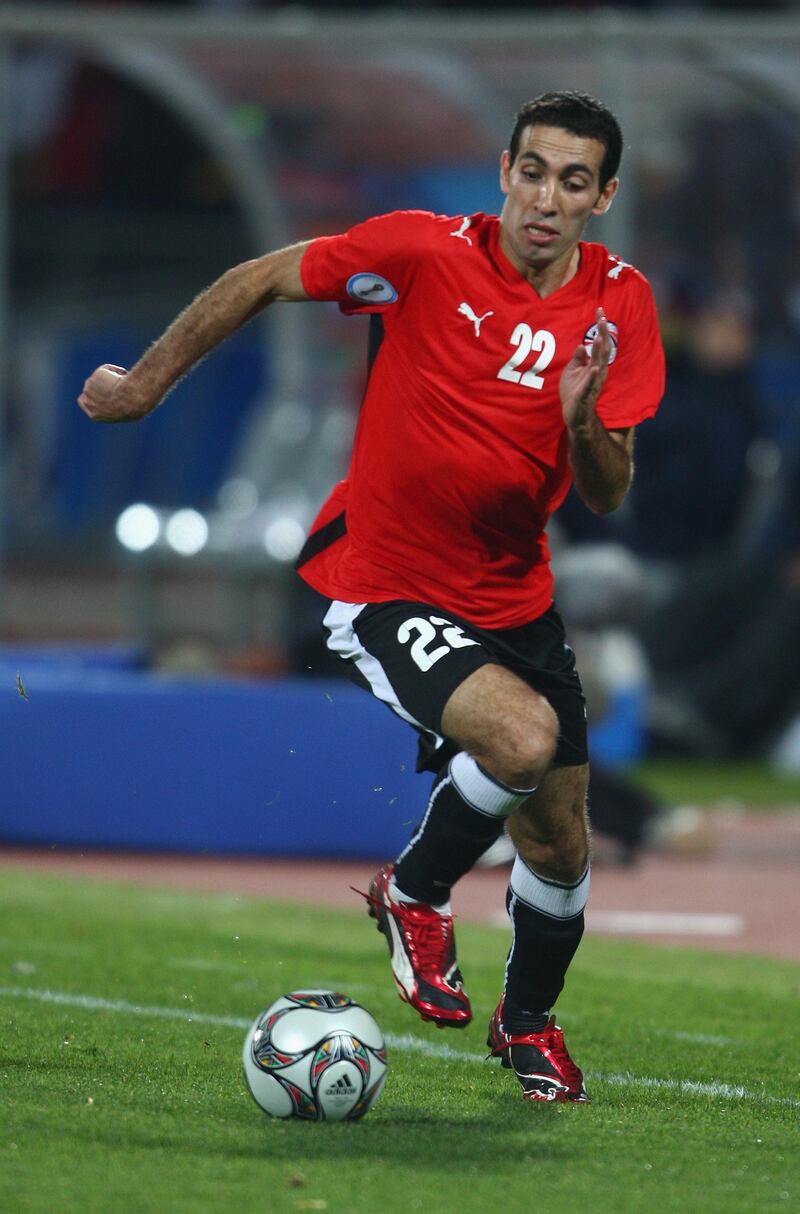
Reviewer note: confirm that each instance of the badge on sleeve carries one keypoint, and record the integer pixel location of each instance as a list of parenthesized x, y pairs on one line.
[(371, 289), (591, 334)]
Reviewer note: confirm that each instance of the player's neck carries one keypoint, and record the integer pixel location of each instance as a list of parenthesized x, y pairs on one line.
[(547, 279), (550, 277)]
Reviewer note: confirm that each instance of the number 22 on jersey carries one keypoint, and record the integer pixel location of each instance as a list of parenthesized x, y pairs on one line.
[(542, 343)]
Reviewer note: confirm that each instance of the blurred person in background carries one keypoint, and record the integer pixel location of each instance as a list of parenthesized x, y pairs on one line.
[(712, 518), (714, 515), (724, 643), (695, 485), (509, 358)]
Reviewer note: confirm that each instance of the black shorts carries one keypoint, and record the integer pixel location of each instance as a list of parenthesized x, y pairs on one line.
[(413, 657)]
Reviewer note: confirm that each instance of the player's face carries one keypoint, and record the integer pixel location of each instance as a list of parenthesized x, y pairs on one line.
[(552, 189)]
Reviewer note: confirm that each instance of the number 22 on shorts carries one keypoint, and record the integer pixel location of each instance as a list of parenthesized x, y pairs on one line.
[(452, 637)]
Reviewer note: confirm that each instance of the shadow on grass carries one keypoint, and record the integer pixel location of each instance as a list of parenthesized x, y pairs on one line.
[(500, 1130)]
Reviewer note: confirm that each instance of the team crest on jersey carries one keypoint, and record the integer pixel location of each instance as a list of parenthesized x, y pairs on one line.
[(371, 288), (591, 334)]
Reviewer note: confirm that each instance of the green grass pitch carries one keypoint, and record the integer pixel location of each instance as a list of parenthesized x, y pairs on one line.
[(121, 1087)]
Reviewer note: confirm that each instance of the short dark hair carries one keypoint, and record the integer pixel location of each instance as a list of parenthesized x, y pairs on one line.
[(580, 115)]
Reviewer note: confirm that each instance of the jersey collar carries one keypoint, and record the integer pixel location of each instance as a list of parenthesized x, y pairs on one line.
[(512, 275)]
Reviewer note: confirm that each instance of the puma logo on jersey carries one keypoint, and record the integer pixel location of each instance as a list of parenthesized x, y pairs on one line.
[(465, 310), (461, 233), (618, 267)]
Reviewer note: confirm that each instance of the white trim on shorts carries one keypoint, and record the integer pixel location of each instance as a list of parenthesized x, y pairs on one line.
[(343, 640)]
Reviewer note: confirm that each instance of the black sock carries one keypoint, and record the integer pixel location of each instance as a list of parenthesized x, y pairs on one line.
[(541, 952), (448, 842), (518, 1021)]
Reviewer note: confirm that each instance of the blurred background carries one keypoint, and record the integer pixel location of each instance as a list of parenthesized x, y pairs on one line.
[(162, 668)]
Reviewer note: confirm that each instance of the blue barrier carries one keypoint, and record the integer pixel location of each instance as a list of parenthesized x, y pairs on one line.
[(117, 758), (110, 759)]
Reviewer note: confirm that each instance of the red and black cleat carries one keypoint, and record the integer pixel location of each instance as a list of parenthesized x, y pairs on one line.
[(540, 1061), (422, 949)]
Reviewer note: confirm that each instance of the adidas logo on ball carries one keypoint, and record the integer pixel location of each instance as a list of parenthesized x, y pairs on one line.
[(342, 1087)]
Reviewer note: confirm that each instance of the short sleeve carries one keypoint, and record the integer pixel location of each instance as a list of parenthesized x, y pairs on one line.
[(635, 383), (370, 267)]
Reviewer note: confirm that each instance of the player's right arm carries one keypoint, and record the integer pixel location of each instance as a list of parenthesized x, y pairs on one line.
[(112, 394)]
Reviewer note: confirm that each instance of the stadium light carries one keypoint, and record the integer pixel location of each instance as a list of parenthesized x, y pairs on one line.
[(186, 532), (138, 527), (283, 538)]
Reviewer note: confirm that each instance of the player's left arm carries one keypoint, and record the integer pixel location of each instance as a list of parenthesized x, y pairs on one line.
[(601, 460)]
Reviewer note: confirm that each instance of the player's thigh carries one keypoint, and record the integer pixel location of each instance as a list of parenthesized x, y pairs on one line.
[(550, 830), (503, 723), (410, 655)]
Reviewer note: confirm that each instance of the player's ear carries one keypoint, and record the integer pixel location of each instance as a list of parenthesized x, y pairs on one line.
[(505, 172), (606, 198)]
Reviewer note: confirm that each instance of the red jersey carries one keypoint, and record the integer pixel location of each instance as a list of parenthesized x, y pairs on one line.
[(460, 453)]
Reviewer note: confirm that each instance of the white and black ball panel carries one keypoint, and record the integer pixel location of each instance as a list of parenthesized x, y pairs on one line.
[(377, 1070), (267, 1090), (340, 1088), (299, 1073), (303, 1027)]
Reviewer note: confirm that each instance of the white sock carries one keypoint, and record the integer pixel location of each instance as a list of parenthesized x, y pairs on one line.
[(394, 889), (553, 898), (481, 791)]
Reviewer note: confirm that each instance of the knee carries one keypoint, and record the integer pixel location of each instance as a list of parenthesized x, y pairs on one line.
[(521, 749)]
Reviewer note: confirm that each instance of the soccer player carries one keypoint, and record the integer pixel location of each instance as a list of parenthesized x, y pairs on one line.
[(510, 358)]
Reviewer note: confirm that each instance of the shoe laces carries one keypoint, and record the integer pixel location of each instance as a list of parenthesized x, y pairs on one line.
[(557, 1047), (428, 932)]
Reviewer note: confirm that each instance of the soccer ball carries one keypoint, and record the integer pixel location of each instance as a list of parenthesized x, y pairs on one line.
[(315, 1056)]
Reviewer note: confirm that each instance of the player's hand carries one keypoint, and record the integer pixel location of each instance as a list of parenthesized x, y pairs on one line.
[(584, 376), (104, 398)]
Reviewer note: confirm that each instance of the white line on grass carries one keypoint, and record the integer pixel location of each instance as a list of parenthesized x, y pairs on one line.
[(93, 1004), (652, 923), (403, 1041), (673, 1034), (726, 1090), (431, 1049), (666, 923), (700, 1038)]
